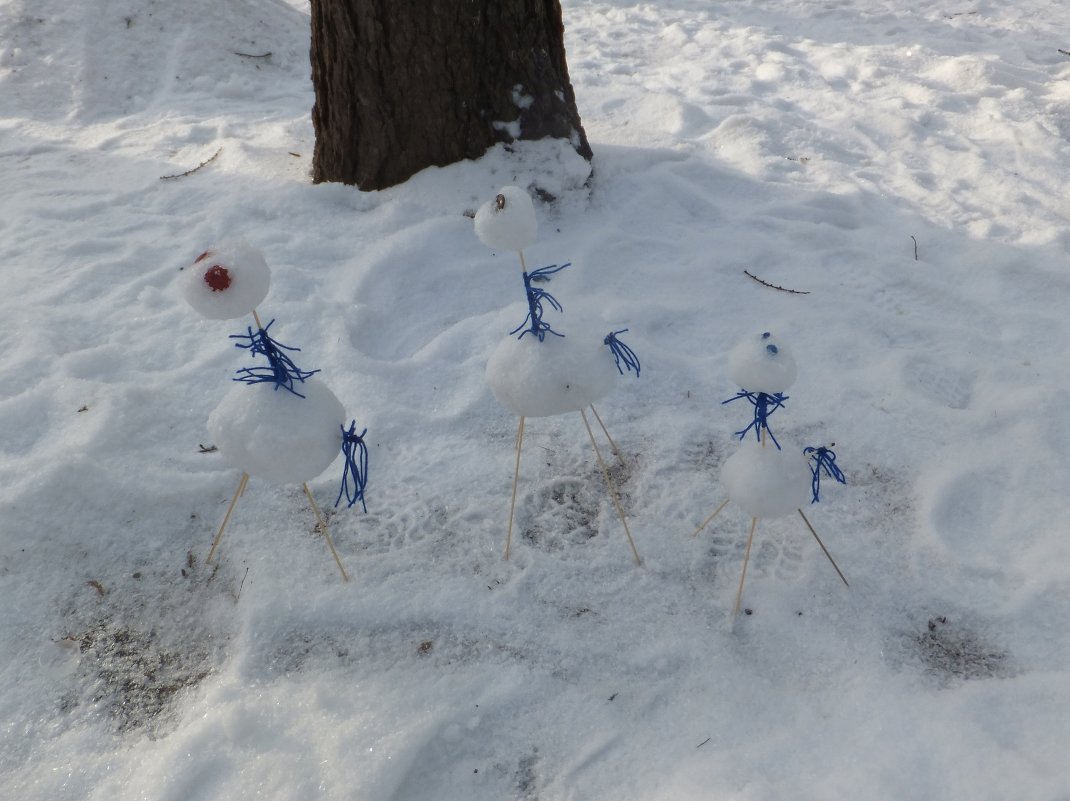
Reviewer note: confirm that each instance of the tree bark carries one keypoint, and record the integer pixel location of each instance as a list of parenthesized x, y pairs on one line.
[(406, 84)]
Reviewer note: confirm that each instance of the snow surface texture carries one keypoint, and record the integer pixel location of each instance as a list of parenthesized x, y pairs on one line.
[(269, 432), (508, 221), (806, 143), (767, 482), (762, 363), (228, 280), (536, 378)]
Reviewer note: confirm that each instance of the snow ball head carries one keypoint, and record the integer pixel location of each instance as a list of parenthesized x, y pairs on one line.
[(767, 482), (273, 434), (508, 221), (555, 376), (762, 363), (228, 280)]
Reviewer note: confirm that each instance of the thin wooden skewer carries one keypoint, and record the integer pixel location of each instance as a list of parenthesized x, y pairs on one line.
[(516, 478), (612, 489), (605, 431), (322, 525), (242, 484), (523, 264), (709, 519), (746, 559), (226, 518), (823, 548)]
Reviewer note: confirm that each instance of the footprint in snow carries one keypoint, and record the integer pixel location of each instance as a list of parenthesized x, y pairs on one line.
[(941, 383)]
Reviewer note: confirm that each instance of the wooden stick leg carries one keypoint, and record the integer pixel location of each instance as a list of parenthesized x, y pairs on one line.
[(709, 519), (616, 450), (824, 549), (321, 524), (612, 489), (516, 478), (226, 518), (256, 317), (746, 559)]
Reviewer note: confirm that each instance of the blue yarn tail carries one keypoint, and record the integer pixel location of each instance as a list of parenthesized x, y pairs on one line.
[(356, 466), (622, 353), (533, 323), (823, 459), (764, 405), (281, 369)]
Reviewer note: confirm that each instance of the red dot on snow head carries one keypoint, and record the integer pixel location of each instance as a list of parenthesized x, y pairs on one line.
[(217, 277)]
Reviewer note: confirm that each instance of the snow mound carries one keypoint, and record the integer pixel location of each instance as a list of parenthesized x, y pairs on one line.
[(550, 169)]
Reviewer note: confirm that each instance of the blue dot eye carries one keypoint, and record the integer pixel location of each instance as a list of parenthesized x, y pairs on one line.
[(772, 349), (766, 335)]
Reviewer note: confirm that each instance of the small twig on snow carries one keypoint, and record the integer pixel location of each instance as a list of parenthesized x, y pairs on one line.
[(1064, 52), (250, 55), (237, 595), (774, 286), (209, 449), (190, 172), (915, 246), (703, 742)]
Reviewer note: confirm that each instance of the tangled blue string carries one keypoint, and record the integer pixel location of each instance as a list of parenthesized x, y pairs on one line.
[(281, 369), (764, 405), (823, 459), (622, 353), (356, 468), (533, 323)]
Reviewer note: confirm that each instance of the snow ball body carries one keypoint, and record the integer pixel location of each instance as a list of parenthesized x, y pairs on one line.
[(767, 482), (511, 227), (228, 280), (762, 363), (554, 376), (271, 433)]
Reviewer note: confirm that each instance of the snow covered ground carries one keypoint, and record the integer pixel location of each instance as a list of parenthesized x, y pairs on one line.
[(904, 163)]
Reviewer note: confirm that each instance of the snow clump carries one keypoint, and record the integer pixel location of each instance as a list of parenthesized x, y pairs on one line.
[(271, 433), (228, 280), (508, 221), (762, 363), (766, 482), (537, 378)]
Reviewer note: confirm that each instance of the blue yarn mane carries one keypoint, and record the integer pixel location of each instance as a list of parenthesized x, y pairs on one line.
[(622, 353), (764, 405), (823, 459), (281, 370), (533, 323), (356, 467)]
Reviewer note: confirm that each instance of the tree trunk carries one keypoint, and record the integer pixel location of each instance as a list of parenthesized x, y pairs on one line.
[(406, 84)]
